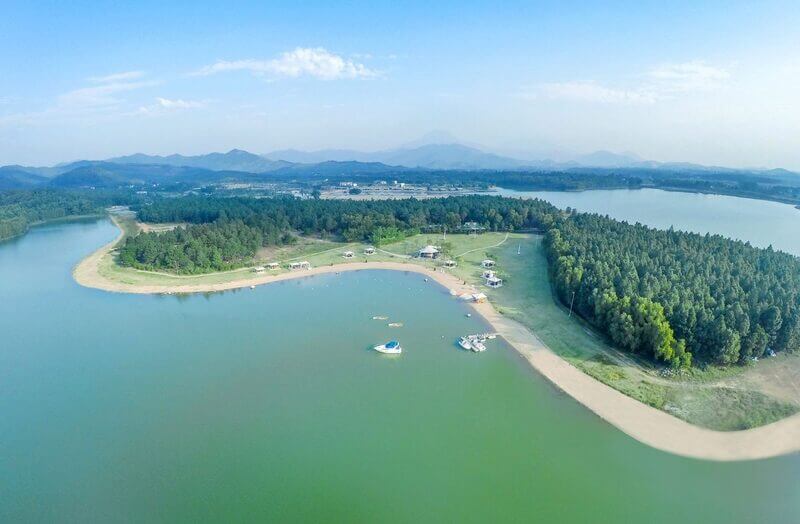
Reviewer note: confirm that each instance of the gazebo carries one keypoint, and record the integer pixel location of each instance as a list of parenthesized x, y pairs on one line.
[(488, 264), (494, 282), (429, 252)]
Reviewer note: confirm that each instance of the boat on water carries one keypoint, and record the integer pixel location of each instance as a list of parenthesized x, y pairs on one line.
[(478, 346), (390, 348), (395, 324), (380, 318), (476, 343)]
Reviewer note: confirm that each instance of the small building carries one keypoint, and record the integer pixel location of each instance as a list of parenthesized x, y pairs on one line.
[(259, 269), (479, 298), (272, 266), (348, 254), (429, 252), (369, 250), (472, 228), (300, 265), (488, 273), (488, 264), (450, 263), (494, 282)]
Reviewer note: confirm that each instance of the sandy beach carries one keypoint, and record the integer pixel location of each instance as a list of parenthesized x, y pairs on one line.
[(643, 423)]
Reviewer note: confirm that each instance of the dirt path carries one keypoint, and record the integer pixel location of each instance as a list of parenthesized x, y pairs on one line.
[(480, 248)]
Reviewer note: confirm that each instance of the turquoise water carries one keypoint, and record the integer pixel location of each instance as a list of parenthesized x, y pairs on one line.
[(756, 221), (267, 405)]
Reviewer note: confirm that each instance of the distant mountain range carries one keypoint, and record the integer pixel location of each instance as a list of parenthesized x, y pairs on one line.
[(429, 156), (233, 160), (238, 165)]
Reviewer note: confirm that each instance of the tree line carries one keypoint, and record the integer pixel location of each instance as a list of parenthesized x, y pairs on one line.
[(224, 233), (676, 296)]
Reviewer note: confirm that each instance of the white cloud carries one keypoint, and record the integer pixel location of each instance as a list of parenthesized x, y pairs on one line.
[(99, 100), (100, 95), (688, 76), (593, 92), (166, 105), (178, 103), (660, 83), (117, 77), (303, 61)]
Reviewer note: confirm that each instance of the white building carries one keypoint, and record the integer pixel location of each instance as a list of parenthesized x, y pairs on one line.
[(272, 266), (300, 265), (494, 282), (450, 263), (259, 269), (369, 250), (488, 273), (488, 264), (348, 254)]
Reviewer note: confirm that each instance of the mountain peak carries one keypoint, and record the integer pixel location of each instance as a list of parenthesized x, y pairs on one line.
[(435, 137)]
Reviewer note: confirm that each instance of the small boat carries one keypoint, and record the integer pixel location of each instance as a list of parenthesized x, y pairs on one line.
[(477, 346), (252, 287), (395, 324), (465, 343), (390, 348), (380, 318)]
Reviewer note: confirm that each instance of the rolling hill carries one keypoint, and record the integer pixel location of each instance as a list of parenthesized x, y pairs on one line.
[(16, 177), (233, 160)]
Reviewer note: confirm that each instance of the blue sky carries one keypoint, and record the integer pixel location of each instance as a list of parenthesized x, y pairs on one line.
[(713, 84)]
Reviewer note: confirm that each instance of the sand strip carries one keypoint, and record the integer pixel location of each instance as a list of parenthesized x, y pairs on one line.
[(644, 423)]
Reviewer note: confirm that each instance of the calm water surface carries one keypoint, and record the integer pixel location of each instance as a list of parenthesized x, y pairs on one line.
[(266, 405), (756, 221)]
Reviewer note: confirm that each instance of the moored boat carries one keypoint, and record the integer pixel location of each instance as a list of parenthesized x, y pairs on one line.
[(478, 346), (390, 348), (465, 343)]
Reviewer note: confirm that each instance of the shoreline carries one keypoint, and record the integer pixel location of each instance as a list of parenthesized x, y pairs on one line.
[(644, 423)]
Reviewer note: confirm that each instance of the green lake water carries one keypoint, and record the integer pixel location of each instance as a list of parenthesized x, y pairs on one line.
[(266, 405), (760, 222)]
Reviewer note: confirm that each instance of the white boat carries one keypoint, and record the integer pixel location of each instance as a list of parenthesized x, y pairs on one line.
[(465, 343), (390, 348), (478, 346)]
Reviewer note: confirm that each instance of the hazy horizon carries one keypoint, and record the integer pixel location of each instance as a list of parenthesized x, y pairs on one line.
[(711, 84)]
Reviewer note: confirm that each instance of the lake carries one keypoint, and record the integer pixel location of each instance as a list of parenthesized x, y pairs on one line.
[(267, 405), (759, 222)]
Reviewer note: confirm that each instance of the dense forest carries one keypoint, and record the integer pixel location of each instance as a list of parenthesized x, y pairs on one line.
[(675, 296), (20, 209), (671, 296), (226, 232)]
